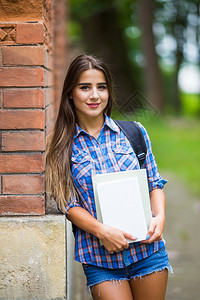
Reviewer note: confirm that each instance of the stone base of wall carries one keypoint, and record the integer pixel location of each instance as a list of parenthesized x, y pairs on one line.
[(76, 281), (33, 258)]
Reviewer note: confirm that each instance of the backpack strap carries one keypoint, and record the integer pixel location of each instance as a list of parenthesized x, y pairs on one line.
[(134, 134)]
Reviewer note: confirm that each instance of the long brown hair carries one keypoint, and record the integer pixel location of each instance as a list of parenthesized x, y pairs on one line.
[(59, 181)]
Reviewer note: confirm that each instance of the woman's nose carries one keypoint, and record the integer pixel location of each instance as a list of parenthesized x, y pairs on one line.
[(94, 94)]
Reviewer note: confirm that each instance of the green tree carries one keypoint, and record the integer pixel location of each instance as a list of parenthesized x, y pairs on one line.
[(177, 22), (141, 41), (153, 74), (102, 34)]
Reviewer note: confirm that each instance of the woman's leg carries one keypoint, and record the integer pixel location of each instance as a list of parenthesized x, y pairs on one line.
[(109, 290), (150, 287)]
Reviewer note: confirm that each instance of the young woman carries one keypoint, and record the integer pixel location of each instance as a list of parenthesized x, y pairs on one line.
[(86, 141)]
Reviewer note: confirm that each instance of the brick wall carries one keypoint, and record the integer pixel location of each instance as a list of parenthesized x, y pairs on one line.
[(30, 68)]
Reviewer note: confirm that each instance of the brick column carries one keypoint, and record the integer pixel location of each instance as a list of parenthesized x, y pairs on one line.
[(27, 102)]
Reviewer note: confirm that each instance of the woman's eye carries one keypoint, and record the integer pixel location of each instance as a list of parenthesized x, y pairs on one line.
[(84, 87), (102, 87)]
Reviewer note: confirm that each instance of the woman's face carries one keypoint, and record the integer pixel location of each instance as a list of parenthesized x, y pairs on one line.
[(90, 95)]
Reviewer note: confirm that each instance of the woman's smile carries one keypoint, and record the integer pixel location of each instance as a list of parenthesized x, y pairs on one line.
[(93, 105)]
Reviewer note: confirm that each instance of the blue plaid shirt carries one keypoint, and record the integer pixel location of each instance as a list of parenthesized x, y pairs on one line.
[(111, 152)]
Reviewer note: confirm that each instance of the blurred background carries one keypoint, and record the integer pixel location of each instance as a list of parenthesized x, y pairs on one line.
[(153, 51)]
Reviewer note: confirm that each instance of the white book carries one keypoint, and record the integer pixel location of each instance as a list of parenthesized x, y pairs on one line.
[(122, 201)]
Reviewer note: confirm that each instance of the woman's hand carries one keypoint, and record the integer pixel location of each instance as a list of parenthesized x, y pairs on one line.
[(157, 223), (113, 239), (156, 228)]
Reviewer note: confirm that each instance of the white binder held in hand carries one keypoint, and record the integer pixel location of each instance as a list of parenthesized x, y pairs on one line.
[(122, 201)]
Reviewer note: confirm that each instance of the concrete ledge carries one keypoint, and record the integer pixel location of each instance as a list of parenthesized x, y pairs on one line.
[(33, 258)]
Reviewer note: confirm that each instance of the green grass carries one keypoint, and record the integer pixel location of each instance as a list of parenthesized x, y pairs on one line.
[(176, 146), (190, 104)]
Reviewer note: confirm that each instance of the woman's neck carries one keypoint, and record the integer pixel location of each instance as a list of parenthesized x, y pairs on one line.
[(92, 125)]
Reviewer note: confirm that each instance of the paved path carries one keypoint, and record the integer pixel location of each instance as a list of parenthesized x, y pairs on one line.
[(182, 235)]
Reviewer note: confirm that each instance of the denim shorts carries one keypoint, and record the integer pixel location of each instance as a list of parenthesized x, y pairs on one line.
[(156, 262)]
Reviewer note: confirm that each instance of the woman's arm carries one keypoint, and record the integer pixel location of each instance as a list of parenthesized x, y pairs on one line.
[(113, 239), (156, 227)]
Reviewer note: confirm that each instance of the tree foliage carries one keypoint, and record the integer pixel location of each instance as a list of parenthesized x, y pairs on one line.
[(113, 29)]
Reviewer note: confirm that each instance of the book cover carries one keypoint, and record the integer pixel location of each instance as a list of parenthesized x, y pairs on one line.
[(122, 201)]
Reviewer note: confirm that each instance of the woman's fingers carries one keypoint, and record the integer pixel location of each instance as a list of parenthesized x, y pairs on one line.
[(155, 231), (113, 248), (116, 250), (129, 236), (115, 240), (156, 236)]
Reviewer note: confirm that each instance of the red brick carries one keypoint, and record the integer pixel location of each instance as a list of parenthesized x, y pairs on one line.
[(33, 98), (7, 33), (22, 205), (21, 163), (23, 77), (25, 119), (3, 34), (23, 55), (23, 184), (30, 33), (22, 10), (23, 141)]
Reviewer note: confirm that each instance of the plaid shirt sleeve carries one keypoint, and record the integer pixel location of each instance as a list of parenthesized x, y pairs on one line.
[(156, 181), (72, 203)]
